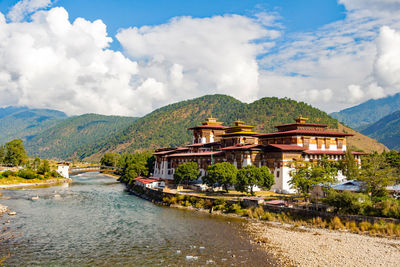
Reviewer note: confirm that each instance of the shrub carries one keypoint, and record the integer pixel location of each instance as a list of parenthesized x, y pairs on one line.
[(219, 204), (8, 174), (347, 202), (27, 174), (200, 204), (389, 208), (364, 226), (336, 223)]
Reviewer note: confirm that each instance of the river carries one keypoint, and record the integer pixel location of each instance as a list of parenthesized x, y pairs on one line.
[(94, 221)]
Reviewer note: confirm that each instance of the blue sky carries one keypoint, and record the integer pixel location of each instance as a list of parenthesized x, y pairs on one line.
[(130, 57), (296, 15)]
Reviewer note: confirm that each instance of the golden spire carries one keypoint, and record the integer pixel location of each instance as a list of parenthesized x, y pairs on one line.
[(301, 119)]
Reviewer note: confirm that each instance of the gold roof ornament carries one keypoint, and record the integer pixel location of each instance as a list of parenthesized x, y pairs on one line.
[(211, 121), (301, 119), (239, 122)]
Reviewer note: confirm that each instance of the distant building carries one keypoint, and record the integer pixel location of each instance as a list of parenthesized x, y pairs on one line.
[(63, 169), (241, 146), (149, 182)]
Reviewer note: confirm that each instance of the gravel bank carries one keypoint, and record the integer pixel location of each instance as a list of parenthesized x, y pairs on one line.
[(47, 182), (320, 247), (3, 209)]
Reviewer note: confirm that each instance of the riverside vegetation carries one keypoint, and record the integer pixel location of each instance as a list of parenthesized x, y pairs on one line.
[(377, 171), (21, 169)]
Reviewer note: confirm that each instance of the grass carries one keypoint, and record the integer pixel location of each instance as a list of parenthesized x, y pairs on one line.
[(17, 180)]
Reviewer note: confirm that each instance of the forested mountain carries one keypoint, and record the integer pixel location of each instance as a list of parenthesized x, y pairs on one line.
[(386, 130), (360, 116), (69, 137), (167, 126), (25, 123)]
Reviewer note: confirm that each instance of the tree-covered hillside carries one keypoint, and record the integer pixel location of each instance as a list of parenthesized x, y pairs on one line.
[(360, 116), (167, 126), (386, 130), (25, 123), (69, 137)]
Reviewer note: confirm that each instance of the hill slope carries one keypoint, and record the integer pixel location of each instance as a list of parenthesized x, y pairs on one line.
[(24, 123), (359, 117), (68, 137), (167, 126), (386, 130)]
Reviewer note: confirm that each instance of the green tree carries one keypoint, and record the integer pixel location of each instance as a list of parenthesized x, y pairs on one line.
[(248, 177), (134, 165), (15, 153), (376, 174), (349, 166), (36, 163), (267, 177), (44, 167), (221, 174), (188, 171), (306, 175), (2, 154), (110, 159)]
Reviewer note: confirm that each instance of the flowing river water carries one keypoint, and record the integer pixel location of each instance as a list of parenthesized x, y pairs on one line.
[(94, 221)]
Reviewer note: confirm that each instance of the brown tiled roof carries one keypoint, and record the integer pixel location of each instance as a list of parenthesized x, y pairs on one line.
[(287, 147), (302, 124), (199, 154), (241, 147)]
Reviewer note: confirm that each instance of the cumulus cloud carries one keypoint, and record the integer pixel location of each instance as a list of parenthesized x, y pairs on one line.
[(387, 64), (210, 55), (373, 7), (25, 7), (53, 63)]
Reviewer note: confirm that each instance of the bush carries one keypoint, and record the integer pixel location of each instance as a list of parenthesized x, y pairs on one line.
[(336, 223), (27, 174), (348, 203), (8, 174), (364, 226), (219, 204), (389, 208)]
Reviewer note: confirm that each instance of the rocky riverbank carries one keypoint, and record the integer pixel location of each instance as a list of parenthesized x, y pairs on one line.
[(301, 246), (48, 182), (3, 209)]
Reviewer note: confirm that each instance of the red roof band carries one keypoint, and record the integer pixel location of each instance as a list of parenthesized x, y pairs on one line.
[(304, 132)]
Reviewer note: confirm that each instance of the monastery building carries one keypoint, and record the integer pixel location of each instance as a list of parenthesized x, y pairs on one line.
[(241, 146)]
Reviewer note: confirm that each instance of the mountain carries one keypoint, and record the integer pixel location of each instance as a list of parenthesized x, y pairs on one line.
[(25, 123), (168, 125), (68, 137), (360, 116), (386, 130)]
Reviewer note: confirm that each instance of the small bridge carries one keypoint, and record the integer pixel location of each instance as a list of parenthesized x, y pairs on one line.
[(93, 169)]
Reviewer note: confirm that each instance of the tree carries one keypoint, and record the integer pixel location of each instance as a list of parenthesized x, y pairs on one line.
[(44, 167), (110, 159), (222, 174), (305, 175), (2, 154), (134, 165), (15, 153), (349, 166), (376, 174), (188, 171), (268, 177), (36, 163), (248, 177)]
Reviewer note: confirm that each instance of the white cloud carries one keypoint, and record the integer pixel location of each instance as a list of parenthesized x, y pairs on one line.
[(387, 64), (53, 63), (355, 92), (373, 7), (217, 54), (25, 7)]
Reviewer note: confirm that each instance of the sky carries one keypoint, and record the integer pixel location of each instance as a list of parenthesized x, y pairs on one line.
[(130, 57)]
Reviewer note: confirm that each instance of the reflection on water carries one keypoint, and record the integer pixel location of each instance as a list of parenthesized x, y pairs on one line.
[(95, 222)]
